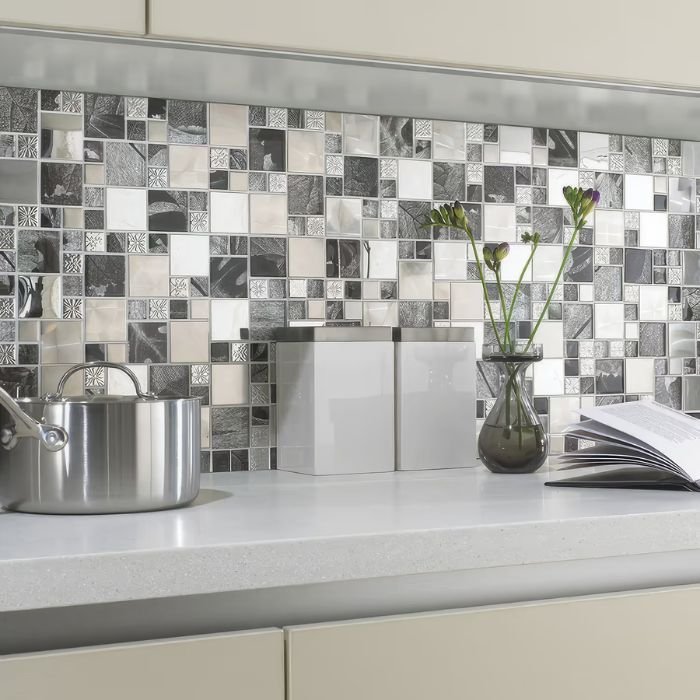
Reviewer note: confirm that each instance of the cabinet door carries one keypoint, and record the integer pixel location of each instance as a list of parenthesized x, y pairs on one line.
[(246, 665), (506, 35), (120, 17), (635, 646)]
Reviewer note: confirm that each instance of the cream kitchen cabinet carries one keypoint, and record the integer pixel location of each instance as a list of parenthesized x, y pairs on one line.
[(245, 665), (634, 646), (104, 16), (610, 40)]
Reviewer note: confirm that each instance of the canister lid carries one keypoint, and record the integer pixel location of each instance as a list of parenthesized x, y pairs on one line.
[(333, 334), (426, 335)]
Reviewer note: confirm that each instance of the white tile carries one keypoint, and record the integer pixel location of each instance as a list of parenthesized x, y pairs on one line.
[(550, 335), (343, 215), (609, 321), (228, 317), (563, 412), (228, 125), (360, 134), (558, 179), (639, 192), (307, 257), (513, 265), (594, 150), (450, 260), (415, 279), (449, 141), (126, 209), (189, 255), (189, 341), (515, 144), (268, 213), (415, 179), (548, 377), (305, 151), (653, 229), (229, 384), (381, 313), (229, 212), (639, 375), (499, 222), (380, 262), (653, 302), (189, 166), (466, 300), (609, 227), (149, 275), (120, 384), (546, 262)]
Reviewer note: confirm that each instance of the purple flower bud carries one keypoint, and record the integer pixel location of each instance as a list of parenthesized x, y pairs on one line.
[(593, 195)]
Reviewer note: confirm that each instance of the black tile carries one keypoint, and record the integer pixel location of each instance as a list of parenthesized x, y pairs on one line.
[(62, 184), (396, 136), (412, 215), (499, 184), (105, 276), (268, 257), (305, 194), (19, 110), (563, 148), (148, 341), (361, 176), (167, 210), (228, 278), (169, 380), (37, 251), (104, 116), (220, 352), (187, 121), (449, 181), (267, 149)]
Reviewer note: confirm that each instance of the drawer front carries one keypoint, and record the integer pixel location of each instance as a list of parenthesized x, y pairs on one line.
[(629, 647), (246, 665)]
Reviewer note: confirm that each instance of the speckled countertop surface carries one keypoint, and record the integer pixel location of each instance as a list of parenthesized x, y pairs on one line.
[(264, 529)]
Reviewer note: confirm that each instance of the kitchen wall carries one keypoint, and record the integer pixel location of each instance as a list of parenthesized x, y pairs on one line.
[(176, 236)]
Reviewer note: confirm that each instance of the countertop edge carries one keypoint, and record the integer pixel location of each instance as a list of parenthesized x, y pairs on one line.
[(106, 577)]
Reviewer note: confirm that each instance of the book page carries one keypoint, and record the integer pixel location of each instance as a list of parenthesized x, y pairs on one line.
[(672, 433)]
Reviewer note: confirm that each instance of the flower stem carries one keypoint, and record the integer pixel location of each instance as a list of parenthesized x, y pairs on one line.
[(514, 300), (578, 226), (504, 308), (467, 230)]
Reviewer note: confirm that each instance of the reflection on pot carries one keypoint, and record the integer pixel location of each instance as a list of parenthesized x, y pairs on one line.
[(39, 297)]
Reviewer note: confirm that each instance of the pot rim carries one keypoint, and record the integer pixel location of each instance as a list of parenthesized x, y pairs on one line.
[(102, 399)]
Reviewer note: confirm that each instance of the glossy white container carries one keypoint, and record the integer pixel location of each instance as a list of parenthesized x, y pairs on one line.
[(435, 398), (335, 400)]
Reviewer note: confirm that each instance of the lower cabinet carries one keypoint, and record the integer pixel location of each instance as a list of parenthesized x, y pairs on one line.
[(634, 646), (241, 665)]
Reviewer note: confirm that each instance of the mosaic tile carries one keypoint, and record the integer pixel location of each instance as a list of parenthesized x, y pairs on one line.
[(353, 196)]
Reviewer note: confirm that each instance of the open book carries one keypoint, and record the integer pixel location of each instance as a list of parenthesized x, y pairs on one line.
[(640, 444)]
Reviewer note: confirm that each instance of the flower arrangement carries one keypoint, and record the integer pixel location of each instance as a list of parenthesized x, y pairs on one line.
[(580, 201)]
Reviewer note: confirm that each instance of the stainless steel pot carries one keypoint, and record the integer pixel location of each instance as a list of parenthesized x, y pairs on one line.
[(98, 454)]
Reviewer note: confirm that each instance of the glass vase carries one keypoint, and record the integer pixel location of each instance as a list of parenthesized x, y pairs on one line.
[(513, 439)]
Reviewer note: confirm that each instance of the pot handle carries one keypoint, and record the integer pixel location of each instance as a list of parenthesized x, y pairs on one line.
[(52, 437), (58, 395)]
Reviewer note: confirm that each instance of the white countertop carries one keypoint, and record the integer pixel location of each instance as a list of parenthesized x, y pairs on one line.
[(252, 530)]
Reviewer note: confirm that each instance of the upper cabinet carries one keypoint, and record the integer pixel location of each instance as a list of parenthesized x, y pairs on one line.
[(599, 39), (120, 17)]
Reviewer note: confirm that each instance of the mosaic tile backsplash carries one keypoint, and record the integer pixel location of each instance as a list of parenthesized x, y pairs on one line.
[(176, 236)]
